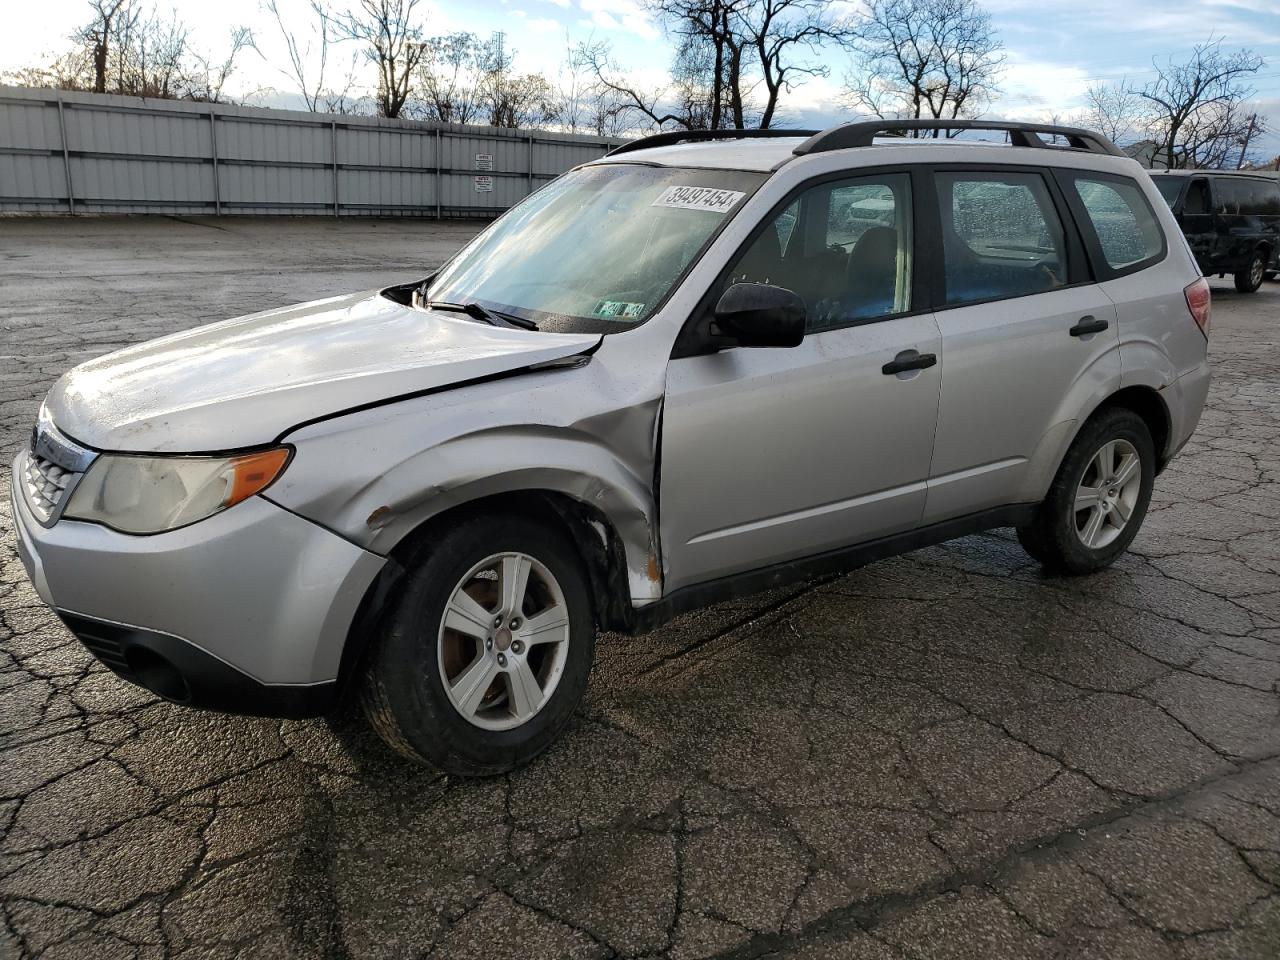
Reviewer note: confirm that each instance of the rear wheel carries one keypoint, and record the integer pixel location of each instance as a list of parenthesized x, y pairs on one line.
[(1099, 498), (1249, 279), (487, 651)]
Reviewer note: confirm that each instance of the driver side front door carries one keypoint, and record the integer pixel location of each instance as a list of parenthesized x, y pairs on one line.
[(772, 454)]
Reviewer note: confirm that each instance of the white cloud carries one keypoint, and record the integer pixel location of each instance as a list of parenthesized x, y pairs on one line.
[(1034, 86), (626, 15), (545, 25)]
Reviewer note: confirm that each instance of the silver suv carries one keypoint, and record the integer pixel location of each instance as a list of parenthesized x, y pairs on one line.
[(707, 364)]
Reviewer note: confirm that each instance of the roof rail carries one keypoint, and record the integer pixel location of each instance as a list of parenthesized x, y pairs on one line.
[(862, 133), (672, 137)]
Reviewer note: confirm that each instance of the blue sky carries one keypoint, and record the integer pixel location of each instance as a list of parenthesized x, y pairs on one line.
[(1055, 49)]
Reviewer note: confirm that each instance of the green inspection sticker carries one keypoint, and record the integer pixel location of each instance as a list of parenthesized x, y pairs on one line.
[(618, 308)]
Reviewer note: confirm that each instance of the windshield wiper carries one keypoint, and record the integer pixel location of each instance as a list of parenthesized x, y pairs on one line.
[(476, 311)]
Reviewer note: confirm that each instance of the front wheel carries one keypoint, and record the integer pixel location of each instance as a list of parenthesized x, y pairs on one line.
[(1249, 279), (1099, 497), (486, 653)]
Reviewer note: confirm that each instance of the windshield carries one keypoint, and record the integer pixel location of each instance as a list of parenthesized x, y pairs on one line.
[(597, 250), (1169, 188)]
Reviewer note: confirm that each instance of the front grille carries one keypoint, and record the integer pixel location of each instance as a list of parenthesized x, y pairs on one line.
[(47, 485)]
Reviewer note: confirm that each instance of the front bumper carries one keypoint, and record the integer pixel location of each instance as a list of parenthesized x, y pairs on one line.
[(247, 611)]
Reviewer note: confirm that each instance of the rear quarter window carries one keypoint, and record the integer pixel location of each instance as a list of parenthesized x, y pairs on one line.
[(1271, 199), (1264, 198), (1127, 231)]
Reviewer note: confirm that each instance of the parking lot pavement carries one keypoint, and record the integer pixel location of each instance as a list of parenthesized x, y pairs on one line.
[(942, 755)]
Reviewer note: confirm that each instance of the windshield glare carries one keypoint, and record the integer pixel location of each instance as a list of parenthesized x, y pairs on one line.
[(597, 250)]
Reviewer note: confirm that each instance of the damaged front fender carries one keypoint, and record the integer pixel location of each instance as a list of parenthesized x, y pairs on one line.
[(583, 432)]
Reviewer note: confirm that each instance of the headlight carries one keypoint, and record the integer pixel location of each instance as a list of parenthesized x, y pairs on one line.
[(136, 494)]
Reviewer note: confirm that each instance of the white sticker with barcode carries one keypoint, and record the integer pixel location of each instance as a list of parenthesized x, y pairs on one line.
[(699, 198)]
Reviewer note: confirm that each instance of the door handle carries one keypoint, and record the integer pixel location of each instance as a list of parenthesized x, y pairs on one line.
[(908, 360), (1088, 325)]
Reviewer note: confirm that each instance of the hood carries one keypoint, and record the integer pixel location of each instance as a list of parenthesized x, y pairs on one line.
[(248, 381)]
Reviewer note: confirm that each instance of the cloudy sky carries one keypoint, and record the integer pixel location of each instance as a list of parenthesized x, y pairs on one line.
[(1055, 48)]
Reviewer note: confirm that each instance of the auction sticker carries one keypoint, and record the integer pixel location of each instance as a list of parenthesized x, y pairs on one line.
[(618, 308), (699, 198)]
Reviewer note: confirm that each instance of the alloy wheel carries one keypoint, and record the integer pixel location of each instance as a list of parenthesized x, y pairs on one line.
[(1108, 494), (503, 641)]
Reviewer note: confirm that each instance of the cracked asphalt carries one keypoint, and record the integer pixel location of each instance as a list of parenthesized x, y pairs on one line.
[(942, 755)]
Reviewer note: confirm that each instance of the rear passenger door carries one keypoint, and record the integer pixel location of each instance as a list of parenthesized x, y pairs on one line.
[(1027, 337), (1132, 265)]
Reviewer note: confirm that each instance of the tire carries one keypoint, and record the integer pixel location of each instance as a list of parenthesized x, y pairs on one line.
[(1249, 279), (404, 693), (1055, 536)]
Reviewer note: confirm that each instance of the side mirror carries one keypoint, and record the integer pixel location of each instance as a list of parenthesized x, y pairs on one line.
[(760, 315)]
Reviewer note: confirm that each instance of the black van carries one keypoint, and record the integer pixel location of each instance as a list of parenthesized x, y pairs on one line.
[(1231, 220)]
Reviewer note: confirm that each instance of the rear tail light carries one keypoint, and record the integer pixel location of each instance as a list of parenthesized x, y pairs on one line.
[(1198, 302)]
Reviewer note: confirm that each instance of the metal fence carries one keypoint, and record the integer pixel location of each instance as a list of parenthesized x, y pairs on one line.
[(64, 152)]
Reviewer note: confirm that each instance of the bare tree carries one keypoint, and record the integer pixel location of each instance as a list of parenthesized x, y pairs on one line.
[(925, 58), (208, 76), (309, 64), (124, 49), (634, 107), (782, 32), (511, 99), (605, 116), (392, 37), (148, 58), (98, 35), (522, 100), (449, 78), (1113, 110), (736, 48), (1196, 106), (576, 89), (128, 49), (709, 60)]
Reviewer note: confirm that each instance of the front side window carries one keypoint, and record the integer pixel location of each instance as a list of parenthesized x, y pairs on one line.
[(845, 247), (1197, 198), (1169, 187), (1122, 220), (1001, 236), (597, 250)]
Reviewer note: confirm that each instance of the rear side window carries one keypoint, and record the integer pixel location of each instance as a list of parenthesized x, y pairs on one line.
[(1247, 196), (1258, 198), (1232, 196), (1001, 236), (1124, 223)]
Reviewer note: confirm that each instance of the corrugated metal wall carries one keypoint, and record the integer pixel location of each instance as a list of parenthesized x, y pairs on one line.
[(66, 152)]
